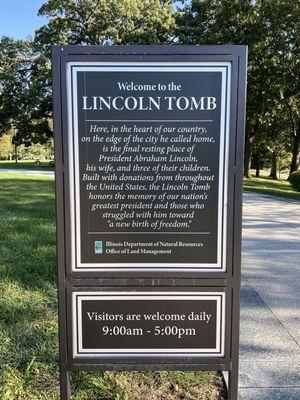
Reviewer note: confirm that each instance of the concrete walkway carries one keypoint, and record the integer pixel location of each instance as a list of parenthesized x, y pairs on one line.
[(270, 300), (27, 172)]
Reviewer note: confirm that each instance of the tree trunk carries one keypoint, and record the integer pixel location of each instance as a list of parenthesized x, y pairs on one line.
[(296, 151), (273, 173), (16, 153), (248, 155), (257, 165)]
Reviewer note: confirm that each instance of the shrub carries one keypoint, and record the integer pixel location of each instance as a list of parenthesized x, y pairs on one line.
[(295, 181)]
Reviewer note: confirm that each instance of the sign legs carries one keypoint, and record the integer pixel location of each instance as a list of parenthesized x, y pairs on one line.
[(65, 386), (233, 384)]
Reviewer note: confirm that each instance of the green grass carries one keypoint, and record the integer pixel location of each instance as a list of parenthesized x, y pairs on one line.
[(265, 185), (26, 164), (28, 313)]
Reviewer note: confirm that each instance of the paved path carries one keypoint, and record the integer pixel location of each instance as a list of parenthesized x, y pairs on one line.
[(27, 172), (270, 299)]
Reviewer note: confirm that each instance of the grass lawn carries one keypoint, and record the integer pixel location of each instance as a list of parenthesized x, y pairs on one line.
[(26, 164), (28, 313), (268, 186)]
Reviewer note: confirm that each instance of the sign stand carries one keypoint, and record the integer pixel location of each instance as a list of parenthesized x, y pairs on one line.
[(149, 163)]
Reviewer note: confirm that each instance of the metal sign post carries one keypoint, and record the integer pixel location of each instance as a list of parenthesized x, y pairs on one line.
[(149, 161)]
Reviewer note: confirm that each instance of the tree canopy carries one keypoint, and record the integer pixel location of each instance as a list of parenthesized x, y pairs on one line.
[(20, 101), (106, 22)]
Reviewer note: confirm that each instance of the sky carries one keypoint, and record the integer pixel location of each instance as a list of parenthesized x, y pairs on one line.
[(18, 18)]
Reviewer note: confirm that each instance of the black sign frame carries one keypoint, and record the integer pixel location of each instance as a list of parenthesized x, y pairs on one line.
[(167, 280)]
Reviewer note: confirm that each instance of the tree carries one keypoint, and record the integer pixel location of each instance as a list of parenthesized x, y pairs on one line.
[(106, 22), (25, 78), (269, 28), (6, 147), (283, 19), (18, 99), (14, 69), (91, 22), (231, 22), (293, 109)]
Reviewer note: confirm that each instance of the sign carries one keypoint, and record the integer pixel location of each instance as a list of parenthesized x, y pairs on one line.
[(149, 163), (143, 323)]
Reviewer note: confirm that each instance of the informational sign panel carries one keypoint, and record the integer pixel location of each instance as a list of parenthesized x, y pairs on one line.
[(148, 155), (149, 161), (148, 323)]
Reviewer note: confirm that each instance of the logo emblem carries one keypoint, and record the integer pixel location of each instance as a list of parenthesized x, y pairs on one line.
[(98, 247)]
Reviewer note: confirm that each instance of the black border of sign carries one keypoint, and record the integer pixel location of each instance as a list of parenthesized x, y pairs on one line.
[(229, 281)]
